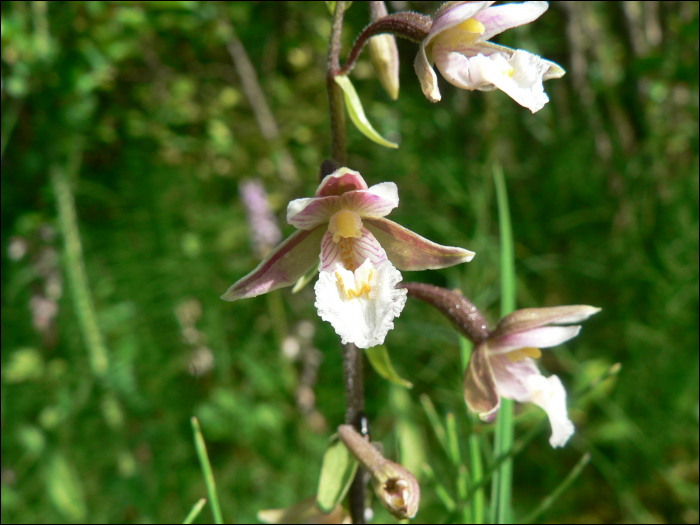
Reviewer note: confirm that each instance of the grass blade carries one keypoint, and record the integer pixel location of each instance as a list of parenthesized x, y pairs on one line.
[(503, 440), (206, 470), (196, 509), (568, 480), (75, 261)]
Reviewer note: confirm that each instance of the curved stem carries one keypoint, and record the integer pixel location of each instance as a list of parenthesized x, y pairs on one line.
[(412, 26)]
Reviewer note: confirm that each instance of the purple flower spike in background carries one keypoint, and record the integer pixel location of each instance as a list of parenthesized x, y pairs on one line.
[(264, 231), (503, 365), (458, 45), (344, 227)]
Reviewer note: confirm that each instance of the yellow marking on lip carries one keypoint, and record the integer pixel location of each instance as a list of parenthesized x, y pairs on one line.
[(471, 25), (352, 292), (522, 353)]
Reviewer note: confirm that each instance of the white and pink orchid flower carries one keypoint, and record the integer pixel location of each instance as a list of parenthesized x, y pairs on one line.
[(458, 44), (503, 365), (343, 225)]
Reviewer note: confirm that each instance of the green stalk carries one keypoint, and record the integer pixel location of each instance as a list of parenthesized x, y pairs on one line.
[(196, 509), (503, 440), (478, 503), (206, 471), (74, 261)]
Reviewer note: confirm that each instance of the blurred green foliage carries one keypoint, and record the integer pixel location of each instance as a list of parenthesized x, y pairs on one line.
[(138, 110)]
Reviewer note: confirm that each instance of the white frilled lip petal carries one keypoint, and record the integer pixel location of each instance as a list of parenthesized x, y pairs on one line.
[(549, 394), (454, 67), (366, 247), (363, 320), (543, 337), (376, 201), (282, 267), (409, 251), (499, 18), (523, 382), (340, 181), (524, 86)]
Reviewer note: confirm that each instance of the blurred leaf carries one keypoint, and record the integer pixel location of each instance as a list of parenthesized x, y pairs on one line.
[(65, 489), (337, 473), (357, 113), (25, 364), (380, 361)]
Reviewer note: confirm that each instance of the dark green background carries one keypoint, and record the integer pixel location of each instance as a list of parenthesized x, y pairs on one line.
[(140, 107)]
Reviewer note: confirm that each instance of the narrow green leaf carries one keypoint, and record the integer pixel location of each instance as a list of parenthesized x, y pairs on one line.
[(435, 422), (206, 470), (305, 279), (357, 113), (379, 359), (337, 473), (568, 480), (196, 509), (503, 439)]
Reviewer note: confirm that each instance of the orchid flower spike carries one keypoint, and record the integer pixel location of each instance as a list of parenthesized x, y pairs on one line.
[(343, 225), (458, 44), (503, 365)]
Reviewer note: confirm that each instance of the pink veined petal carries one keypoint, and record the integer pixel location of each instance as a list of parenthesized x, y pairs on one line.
[(341, 181), (544, 337), (282, 267), (409, 251), (480, 391), (350, 253), (454, 15), (372, 204), (307, 214), (511, 378), (499, 18), (528, 318), (426, 75)]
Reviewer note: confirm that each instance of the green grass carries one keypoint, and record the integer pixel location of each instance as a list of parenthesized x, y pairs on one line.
[(110, 346)]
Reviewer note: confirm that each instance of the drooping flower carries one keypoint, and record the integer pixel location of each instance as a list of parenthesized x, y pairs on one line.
[(458, 45), (503, 365), (356, 291)]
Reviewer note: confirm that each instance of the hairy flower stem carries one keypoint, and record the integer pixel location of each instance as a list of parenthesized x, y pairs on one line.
[(352, 357), (412, 26), (458, 309), (339, 145)]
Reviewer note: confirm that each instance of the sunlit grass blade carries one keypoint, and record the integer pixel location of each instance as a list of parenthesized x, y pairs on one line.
[(435, 422), (75, 262), (503, 440), (196, 509), (206, 470), (440, 490), (568, 480)]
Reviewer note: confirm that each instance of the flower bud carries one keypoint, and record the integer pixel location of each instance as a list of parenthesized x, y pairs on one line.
[(396, 488), (384, 54)]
